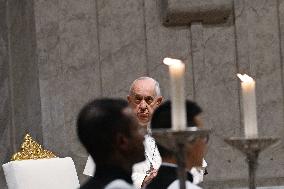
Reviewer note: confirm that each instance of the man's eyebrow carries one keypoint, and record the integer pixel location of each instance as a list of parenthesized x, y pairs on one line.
[(138, 95)]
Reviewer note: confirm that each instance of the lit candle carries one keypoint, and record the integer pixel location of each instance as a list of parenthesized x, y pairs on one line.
[(249, 106), (176, 69)]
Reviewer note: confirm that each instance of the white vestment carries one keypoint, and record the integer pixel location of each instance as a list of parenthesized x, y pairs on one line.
[(90, 167), (153, 159), (198, 173)]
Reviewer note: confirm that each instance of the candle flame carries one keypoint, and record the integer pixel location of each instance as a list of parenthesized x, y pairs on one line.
[(171, 61), (245, 78)]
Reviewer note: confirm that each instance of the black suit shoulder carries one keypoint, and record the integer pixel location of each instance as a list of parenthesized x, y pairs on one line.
[(93, 184), (166, 176)]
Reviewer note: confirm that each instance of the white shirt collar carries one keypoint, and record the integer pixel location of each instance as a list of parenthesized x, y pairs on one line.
[(169, 164)]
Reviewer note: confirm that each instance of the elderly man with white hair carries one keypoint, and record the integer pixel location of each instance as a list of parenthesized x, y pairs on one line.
[(144, 97)]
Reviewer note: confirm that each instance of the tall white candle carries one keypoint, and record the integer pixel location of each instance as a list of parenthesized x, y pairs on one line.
[(249, 106), (176, 69)]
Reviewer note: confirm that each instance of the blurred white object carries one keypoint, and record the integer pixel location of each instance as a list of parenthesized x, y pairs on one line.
[(90, 167), (198, 173), (118, 184), (153, 159), (55, 173)]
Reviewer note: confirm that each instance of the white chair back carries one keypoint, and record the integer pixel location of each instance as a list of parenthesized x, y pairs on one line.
[(54, 173)]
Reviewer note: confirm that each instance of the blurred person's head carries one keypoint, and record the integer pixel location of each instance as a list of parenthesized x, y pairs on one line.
[(111, 134), (196, 149), (144, 97)]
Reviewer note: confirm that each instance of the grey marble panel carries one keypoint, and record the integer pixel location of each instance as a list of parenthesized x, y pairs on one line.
[(197, 45), (50, 76), (258, 48), (20, 104), (6, 148), (262, 183), (216, 90), (5, 105), (24, 71), (164, 42), (69, 70), (122, 45), (79, 54), (281, 36)]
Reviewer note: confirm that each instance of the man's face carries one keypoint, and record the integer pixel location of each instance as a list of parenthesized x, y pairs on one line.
[(143, 100)]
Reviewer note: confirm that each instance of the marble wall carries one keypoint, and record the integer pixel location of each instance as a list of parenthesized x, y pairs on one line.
[(20, 98), (257, 27), (69, 70), (56, 55), (5, 108)]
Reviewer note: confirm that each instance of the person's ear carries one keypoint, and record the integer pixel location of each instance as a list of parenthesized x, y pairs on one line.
[(159, 100), (128, 99), (122, 141)]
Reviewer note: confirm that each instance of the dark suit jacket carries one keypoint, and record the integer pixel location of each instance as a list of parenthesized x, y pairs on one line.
[(104, 175), (166, 175)]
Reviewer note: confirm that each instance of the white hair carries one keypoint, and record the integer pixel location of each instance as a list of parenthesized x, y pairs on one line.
[(156, 85)]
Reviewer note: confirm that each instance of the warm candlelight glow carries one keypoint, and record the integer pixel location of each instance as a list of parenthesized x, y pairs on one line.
[(176, 70), (245, 78), (249, 106), (171, 61)]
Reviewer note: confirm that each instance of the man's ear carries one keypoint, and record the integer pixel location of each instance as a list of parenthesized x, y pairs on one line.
[(122, 141), (128, 98), (159, 100)]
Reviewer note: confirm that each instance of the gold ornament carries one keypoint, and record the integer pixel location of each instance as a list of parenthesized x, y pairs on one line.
[(30, 149)]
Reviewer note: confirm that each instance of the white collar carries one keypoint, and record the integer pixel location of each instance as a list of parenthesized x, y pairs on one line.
[(169, 164)]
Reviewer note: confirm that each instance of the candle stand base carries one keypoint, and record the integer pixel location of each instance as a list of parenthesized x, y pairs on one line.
[(176, 141), (251, 147)]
